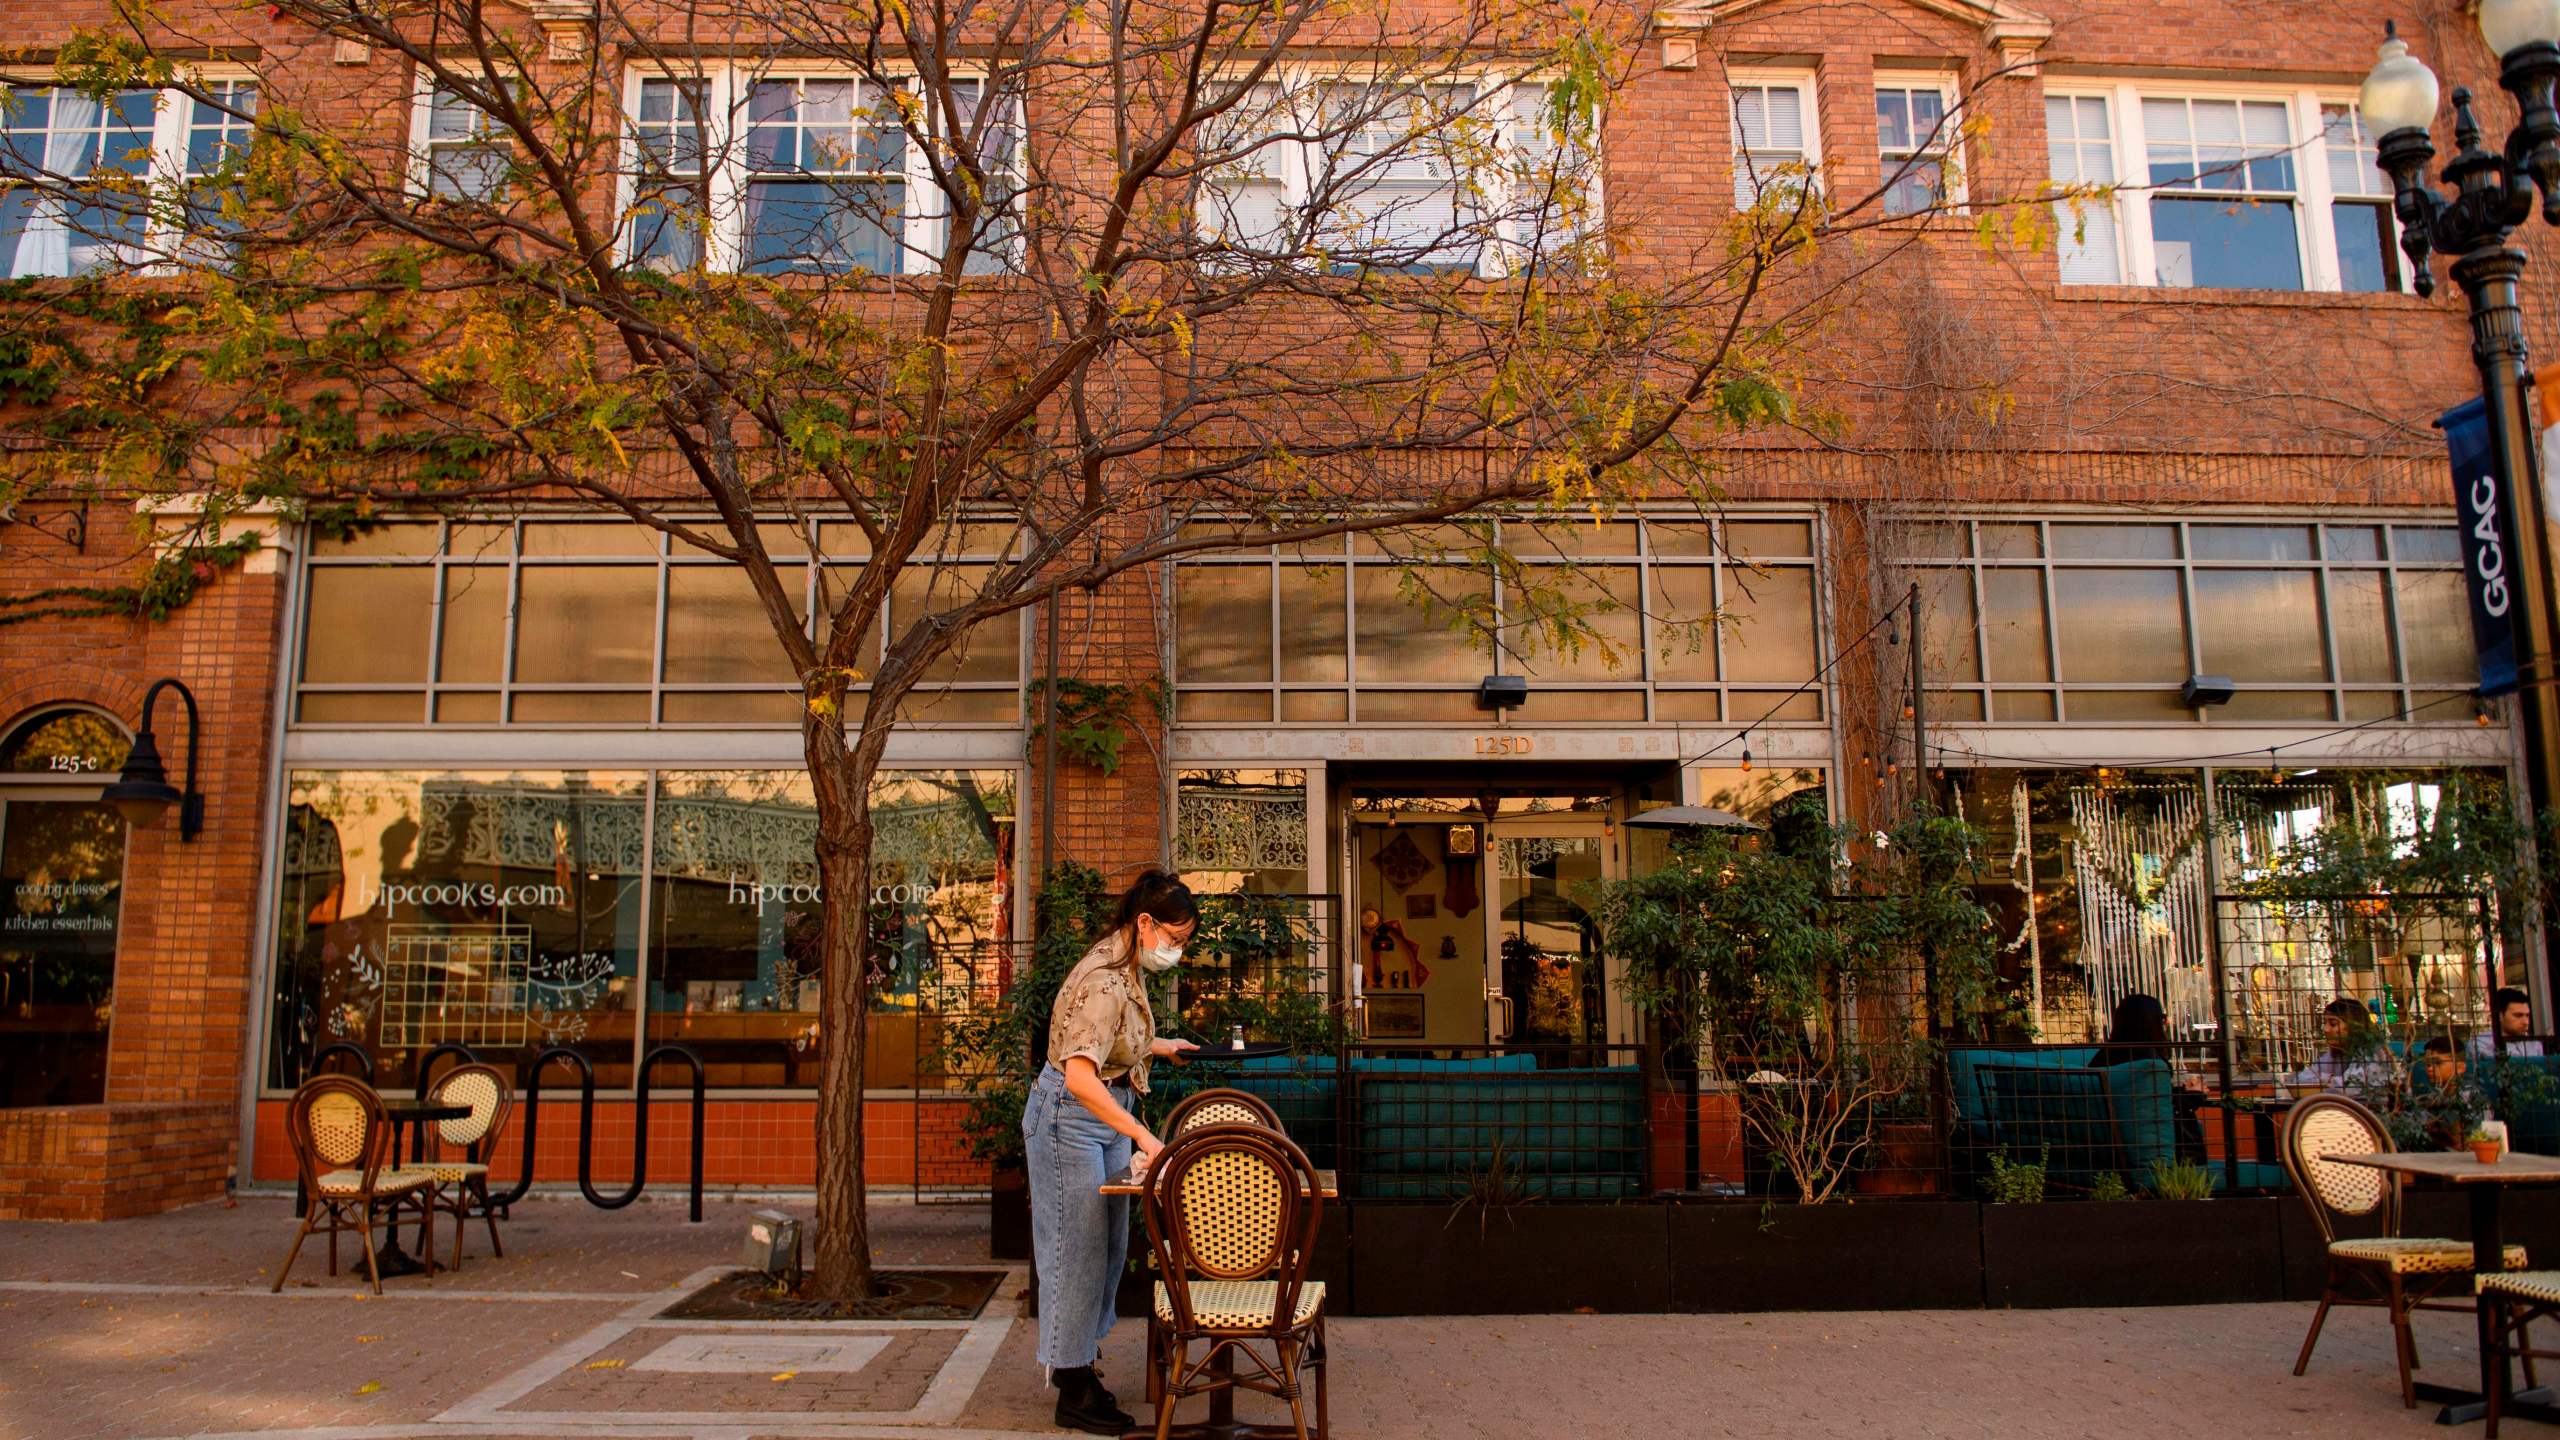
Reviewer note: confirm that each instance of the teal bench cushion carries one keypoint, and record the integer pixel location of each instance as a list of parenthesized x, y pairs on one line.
[(1973, 1106), (2143, 1102), (1560, 1133)]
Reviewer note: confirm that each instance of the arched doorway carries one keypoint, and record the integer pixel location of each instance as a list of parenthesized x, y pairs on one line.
[(62, 857)]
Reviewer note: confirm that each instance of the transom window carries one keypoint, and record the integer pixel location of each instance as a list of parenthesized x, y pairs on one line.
[(779, 173), (2245, 189), (2103, 621), (1668, 619), (602, 623), (1916, 139), (77, 173), (1454, 178)]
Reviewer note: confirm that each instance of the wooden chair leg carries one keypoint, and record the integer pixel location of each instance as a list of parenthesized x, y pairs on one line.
[(1165, 1391), (287, 1267), (1324, 1422), (489, 1213), (2402, 1345), (364, 1227), (2319, 1317), (1290, 1362), (334, 1228)]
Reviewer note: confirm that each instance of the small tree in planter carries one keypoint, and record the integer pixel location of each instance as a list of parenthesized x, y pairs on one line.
[(1805, 972)]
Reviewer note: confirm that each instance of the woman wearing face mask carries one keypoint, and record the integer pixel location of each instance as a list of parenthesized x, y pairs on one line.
[(1079, 1128)]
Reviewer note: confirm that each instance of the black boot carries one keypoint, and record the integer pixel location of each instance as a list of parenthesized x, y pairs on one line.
[(1084, 1405)]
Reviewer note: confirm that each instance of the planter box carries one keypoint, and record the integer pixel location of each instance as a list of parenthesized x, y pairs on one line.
[(1521, 1259), (2132, 1252), (1897, 1255)]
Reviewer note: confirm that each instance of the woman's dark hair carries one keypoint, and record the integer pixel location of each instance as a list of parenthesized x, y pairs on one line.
[(2138, 1030), (1161, 897)]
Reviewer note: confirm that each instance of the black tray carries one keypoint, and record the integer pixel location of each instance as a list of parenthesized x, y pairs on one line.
[(1253, 1050)]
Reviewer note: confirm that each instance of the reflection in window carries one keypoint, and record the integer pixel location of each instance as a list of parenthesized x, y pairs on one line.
[(503, 912), (2312, 622), (498, 911), (1242, 831), (1614, 621), (736, 942), (61, 894)]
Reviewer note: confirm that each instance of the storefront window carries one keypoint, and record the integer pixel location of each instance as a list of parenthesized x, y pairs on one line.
[(493, 910), (2100, 880), (61, 895), (510, 912), (1242, 831), (736, 942)]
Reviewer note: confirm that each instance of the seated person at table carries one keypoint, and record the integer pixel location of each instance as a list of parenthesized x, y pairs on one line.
[(2350, 1058), (2139, 1030), (2509, 1012)]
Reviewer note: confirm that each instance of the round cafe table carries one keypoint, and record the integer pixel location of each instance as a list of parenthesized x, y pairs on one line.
[(410, 1115)]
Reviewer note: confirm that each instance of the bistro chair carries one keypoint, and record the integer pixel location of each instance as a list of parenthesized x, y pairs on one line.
[(340, 1143), (2394, 1272), (1232, 1212), (1220, 1107), (2515, 1300), (464, 1183)]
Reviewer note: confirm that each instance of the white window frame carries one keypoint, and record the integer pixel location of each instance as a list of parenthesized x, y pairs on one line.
[(2314, 226), (727, 87), (164, 171), (1496, 98), (422, 99), (1947, 149), (1808, 86)]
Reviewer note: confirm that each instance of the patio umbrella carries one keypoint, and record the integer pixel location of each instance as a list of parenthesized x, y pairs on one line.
[(1692, 817)]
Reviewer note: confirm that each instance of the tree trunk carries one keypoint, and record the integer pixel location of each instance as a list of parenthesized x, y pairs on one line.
[(840, 773)]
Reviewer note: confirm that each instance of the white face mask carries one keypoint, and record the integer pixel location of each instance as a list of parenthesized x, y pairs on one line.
[(1160, 957)]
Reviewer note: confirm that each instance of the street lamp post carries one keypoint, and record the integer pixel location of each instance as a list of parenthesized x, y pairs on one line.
[(2493, 194)]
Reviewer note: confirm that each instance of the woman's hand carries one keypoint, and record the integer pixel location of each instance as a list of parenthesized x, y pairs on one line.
[(1148, 1148), (1165, 1048)]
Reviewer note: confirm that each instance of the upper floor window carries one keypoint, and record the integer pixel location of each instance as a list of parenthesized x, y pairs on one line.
[(459, 151), (816, 173), (2244, 189), (1457, 178), (2359, 203), (1776, 143), (77, 172), (1916, 139)]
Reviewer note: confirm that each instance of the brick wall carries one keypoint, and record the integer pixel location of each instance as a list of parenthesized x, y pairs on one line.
[(184, 970)]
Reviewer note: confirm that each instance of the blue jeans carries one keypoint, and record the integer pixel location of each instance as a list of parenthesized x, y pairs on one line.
[(1079, 1238)]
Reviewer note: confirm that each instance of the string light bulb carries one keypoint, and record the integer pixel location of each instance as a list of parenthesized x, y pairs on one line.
[(1746, 752)]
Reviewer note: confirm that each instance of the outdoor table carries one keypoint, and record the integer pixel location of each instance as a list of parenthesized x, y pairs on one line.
[(1222, 1423), (2484, 1184), (403, 1113)]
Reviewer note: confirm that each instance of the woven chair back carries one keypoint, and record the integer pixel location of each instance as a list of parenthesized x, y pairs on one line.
[(1220, 1107), (2322, 1126), (335, 1122), (483, 1089), (1233, 1202)]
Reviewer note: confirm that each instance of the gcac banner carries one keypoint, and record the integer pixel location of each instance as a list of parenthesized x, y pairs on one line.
[(2479, 497)]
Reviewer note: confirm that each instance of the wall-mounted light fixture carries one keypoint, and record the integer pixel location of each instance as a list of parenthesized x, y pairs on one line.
[(143, 790), (1502, 692), (2207, 690)]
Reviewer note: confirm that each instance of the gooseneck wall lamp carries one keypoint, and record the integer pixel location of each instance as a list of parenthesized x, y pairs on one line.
[(143, 790)]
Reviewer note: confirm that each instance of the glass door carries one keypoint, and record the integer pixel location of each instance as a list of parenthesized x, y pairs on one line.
[(1545, 985)]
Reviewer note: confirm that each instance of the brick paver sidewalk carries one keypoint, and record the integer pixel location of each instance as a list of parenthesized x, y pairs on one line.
[(163, 1327)]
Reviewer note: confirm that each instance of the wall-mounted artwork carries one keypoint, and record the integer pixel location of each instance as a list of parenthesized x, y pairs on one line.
[(1420, 907), (1395, 1017)]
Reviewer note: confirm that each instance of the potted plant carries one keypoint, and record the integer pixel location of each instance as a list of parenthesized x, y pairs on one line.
[(2484, 1146)]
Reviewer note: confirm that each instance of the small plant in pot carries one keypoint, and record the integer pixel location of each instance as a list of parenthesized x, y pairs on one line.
[(2484, 1146)]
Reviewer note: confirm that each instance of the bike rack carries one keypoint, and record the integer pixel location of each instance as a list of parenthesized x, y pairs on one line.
[(586, 1126)]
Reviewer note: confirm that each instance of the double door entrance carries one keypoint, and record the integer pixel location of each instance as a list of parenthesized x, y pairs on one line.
[(1475, 918)]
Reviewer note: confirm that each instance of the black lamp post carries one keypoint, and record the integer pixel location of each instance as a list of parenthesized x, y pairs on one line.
[(2493, 194), (143, 790)]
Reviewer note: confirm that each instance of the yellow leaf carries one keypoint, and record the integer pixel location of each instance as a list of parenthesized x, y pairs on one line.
[(367, 1339), (785, 1375), (368, 1387), (605, 1364)]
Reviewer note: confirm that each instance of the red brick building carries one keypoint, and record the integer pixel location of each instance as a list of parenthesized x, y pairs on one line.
[(2188, 435)]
